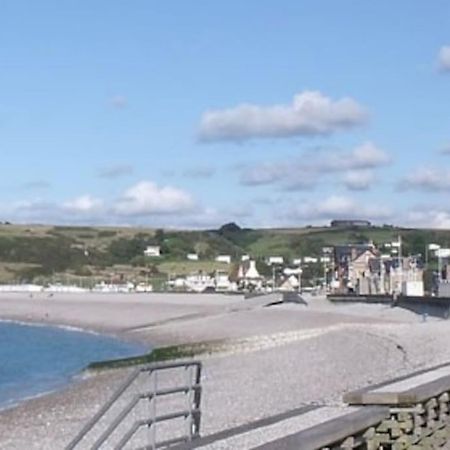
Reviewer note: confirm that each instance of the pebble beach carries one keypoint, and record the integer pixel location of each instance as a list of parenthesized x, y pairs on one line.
[(274, 359)]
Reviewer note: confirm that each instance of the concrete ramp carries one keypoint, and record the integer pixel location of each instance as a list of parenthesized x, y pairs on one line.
[(307, 428), (274, 298), (293, 297)]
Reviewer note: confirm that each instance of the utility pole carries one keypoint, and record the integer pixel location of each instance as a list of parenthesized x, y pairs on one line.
[(273, 277), (299, 280)]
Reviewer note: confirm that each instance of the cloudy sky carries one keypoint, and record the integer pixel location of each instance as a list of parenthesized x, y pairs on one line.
[(193, 114)]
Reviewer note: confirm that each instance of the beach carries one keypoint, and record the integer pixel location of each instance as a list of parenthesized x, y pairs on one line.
[(274, 357)]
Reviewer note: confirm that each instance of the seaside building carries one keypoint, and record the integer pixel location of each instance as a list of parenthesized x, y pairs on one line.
[(222, 281), (310, 260), (274, 260), (361, 269), (248, 276), (200, 282), (290, 284), (152, 251), (224, 259)]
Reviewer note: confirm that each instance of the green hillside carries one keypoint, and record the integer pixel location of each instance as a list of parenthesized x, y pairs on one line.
[(90, 254)]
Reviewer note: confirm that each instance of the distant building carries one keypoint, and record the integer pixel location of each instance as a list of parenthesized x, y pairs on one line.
[(310, 260), (192, 256), (363, 270), (274, 260), (337, 223), (152, 250), (199, 282), (290, 284), (224, 259), (351, 266), (144, 287), (248, 276), (222, 281)]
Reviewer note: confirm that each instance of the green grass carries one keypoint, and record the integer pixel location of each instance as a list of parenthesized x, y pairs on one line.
[(187, 267), (30, 252)]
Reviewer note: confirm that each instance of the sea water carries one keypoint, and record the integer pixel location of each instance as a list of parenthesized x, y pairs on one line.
[(39, 359)]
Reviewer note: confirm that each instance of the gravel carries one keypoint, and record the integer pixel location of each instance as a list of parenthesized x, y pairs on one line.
[(278, 358)]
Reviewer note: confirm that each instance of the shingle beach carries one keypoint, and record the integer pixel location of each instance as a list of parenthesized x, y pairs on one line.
[(276, 358)]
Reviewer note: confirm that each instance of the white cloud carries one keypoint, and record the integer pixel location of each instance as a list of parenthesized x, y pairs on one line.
[(358, 180), (137, 204), (146, 198), (305, 173), (80, 210), (426, 179), (444, 58), (426, 217), (335, 207), (368, 155), (264, 173), (83, 204), (310, 114)]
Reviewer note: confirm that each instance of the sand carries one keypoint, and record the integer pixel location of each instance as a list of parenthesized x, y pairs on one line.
[(277, 358)]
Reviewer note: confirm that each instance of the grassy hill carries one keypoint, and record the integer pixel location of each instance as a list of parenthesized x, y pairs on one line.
[(86, 255)]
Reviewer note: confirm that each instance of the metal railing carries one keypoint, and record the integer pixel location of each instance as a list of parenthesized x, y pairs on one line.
[(191, 413)]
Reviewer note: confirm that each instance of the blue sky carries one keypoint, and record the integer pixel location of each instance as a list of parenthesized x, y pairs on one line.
[(193, 114)]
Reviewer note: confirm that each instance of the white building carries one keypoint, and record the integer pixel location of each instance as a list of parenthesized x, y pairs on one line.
[(222, 281), (310, 260), (274, 260), (199, 282), (152, 250), (249, 277), (144, 287), (192, 256), (252, 272), (224, 259), (291, 283), (297, 261), (245, 258)]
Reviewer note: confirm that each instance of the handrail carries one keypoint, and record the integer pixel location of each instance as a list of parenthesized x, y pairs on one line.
[(101, 412), (141, 423), (150, 368), (134, 401)]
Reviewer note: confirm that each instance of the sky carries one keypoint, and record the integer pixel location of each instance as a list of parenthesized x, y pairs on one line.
[(268, 113)]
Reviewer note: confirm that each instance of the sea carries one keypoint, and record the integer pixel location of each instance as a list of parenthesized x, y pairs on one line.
[(37, 359)]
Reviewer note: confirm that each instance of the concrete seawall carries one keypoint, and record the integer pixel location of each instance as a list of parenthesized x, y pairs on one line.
[(431, 306)]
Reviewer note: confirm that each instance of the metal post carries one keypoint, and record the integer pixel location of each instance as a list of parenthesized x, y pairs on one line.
[(273, 278)]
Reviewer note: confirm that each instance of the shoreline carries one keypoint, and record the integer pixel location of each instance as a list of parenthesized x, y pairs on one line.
[(57, 381)]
